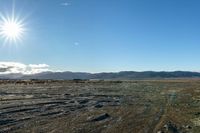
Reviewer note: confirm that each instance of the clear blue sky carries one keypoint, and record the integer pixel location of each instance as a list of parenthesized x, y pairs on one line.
[(107, 35)]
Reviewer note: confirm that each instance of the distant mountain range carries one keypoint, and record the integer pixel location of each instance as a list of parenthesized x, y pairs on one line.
[(114, 75)]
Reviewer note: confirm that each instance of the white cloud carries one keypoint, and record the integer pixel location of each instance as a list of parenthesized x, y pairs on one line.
[(38, 66), (16, 67), (65, 4)]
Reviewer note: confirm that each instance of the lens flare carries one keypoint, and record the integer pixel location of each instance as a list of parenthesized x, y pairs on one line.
[(11, 29)]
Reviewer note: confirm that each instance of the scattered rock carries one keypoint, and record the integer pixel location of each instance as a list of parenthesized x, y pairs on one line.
[(72, 101), (166, 126), (198, 113), (171, 127), (98, 106), (101, 117), (83, 101), (188, 127), (160, 132)]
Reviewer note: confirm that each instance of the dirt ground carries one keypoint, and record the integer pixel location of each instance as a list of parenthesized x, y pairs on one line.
[(138, 106)]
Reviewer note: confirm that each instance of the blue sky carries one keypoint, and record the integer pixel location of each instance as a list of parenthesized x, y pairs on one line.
[(106, 35)]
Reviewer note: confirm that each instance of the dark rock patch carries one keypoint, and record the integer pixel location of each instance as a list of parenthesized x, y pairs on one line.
[(7, 121), (83, 101), (98, 106), (51, 113), (101, 117)]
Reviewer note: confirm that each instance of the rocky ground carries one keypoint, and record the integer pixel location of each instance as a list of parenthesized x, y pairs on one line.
[(146, 106)]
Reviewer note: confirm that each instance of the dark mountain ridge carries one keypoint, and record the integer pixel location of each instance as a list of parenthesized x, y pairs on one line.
[(112, 75)]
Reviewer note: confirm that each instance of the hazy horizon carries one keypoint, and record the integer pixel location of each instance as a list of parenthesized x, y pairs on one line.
[(27, 69)]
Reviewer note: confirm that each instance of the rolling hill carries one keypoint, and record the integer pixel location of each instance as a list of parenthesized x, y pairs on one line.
[(117, 75)]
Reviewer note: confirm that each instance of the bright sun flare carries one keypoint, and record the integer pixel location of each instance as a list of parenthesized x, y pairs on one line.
[(11, 29)]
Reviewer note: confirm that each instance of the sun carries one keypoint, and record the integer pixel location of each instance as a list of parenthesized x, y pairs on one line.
[(11, 29)]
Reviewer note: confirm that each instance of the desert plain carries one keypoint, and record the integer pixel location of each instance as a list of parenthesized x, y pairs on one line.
[(100, 106)]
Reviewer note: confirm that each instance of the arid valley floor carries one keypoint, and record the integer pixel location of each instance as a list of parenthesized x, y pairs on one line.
[(138, 106)]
